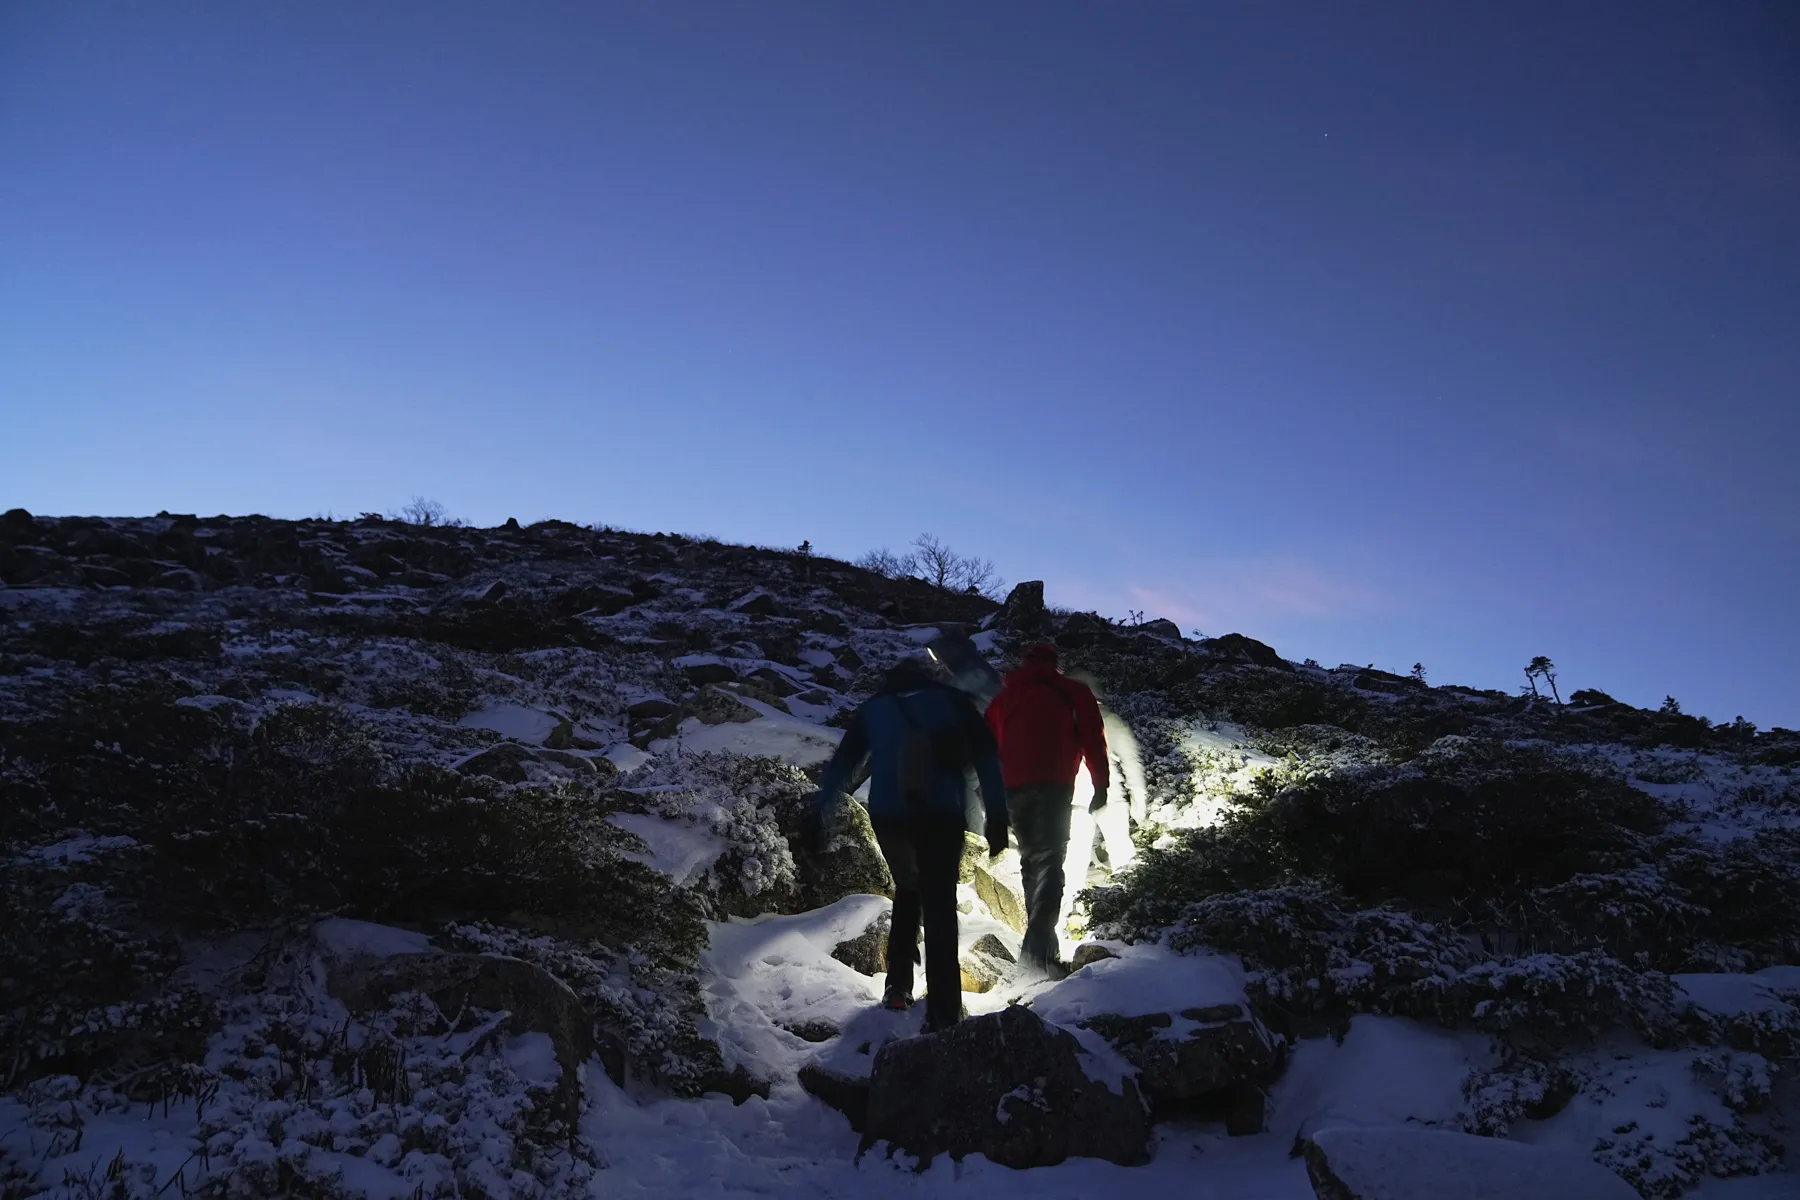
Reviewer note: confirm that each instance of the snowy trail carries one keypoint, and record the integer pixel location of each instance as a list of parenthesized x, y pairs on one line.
[(793, 1145), (768, 972)]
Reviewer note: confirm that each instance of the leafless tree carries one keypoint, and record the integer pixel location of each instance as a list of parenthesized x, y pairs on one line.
[(422, 511), (886, 563), (978, 575), (935, 562)]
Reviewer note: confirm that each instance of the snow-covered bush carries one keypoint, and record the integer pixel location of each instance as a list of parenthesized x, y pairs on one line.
[(1661, 1169), (195, 819), (1495, 1099), (651, 1007), (744, 800), (1406, 890)]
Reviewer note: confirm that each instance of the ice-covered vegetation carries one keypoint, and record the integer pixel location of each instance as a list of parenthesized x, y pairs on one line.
[(398, 857)]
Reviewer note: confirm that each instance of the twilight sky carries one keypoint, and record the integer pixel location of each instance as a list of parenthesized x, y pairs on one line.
[(1384, 332)]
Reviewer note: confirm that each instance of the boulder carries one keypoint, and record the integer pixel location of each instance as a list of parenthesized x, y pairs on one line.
[(755, 692), (713, 705), (1006, 1085), (1383, 681), (17, 523), (991, 945), (654, 708), (1246, 649), (708, 670), (1205, 1046), (773, 682), (998, 883), (756, 604), (1406, 1163), (534, 1000), (849, 1094), (597, 599), (98, 575), (181, 579), (1162, 627), (985, 964), (851, 865), (867, 951), (1087, 953), (581, 764), (504, 761), (1024, 607), (1213, 1048)]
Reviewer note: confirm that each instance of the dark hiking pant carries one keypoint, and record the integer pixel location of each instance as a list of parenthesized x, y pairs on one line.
[(923, 857), (1040, 824)]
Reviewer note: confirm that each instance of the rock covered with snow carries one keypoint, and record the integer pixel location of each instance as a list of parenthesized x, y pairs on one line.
[(997, 881), (1185, 1023), (1007, 1086), (1347, 1163)]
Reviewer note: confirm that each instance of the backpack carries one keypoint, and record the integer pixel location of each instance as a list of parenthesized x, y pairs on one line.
[(927, 753)]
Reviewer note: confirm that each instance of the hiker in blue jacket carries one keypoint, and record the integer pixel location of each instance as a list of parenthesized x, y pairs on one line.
[(916, 740)]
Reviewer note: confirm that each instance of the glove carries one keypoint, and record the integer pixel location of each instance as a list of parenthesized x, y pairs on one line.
[(997, 842), (1099, 801)]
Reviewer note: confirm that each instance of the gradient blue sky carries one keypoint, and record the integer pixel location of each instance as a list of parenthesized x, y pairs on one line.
[(1384, 332)]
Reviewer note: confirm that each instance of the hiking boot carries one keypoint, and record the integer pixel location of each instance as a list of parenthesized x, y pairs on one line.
[(897, 999)]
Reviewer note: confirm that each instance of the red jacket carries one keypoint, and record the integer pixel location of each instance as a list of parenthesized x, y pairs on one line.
[(1046, 725)]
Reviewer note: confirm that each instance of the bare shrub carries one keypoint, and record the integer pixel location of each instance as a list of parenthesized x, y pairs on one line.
[(423, 511)]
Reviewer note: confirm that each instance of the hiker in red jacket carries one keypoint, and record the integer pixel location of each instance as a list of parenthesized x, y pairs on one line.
[(1047, 726)]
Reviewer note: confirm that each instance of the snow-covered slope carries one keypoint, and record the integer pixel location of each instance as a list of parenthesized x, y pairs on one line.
[(250, 764)]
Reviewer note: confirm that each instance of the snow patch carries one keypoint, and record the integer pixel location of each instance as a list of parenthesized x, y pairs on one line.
[(344, 938), (1141, 981), (775, 735), (529, 725), (682, 850)]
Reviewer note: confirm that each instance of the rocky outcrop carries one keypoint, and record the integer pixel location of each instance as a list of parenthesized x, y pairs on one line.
[(1024, 609), (1005, 1085), (985, 964), (704, 669), (1223, 1052), (1246, 649), (867, 951), (1089, 953), (850, 865), (504, 761), (713, 705), (849, 1094), (1347, 1163), (996, 881), (756, 604), (1206, 1049)]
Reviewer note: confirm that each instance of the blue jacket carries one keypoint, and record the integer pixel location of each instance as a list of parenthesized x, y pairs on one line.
[(872, 744)]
